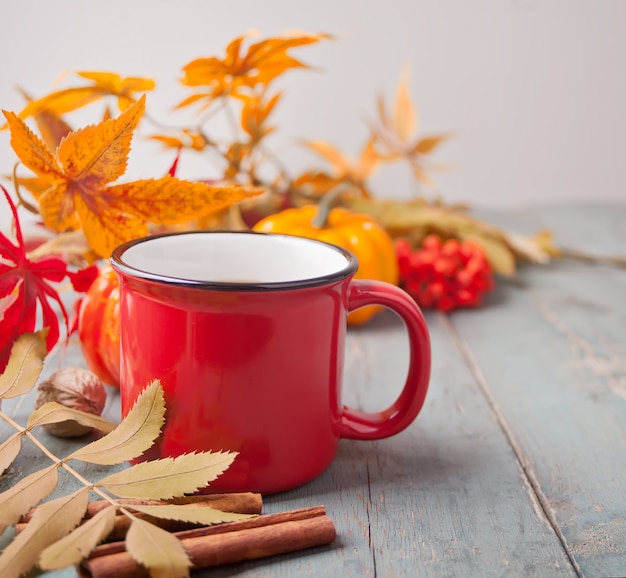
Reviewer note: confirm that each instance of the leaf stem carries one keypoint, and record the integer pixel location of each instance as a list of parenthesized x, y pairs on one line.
[(618, 261), (58, 461)]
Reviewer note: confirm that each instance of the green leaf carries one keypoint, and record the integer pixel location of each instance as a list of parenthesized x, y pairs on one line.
[(25, 364), (158, 550), (133, 436), (53, 412), (28, 492), (50, 522), (74, 547), (193, 513), (168, 477), (9, 450)]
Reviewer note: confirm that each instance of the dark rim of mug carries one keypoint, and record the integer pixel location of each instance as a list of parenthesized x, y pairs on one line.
[(118, 264)]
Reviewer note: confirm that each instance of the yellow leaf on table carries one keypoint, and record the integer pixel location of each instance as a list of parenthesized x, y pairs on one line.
[(25, 494), (50, 522), (77, 545), (9, 450), (25, 364), (158, 550), (54, 412), (168, 477), (500, 257), (191, 513), (133, 436)]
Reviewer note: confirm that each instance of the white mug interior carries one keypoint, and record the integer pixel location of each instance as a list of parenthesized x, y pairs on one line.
[(233, 257)]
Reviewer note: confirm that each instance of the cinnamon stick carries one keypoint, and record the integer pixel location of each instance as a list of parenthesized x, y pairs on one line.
[(225, 543), (239, 503)]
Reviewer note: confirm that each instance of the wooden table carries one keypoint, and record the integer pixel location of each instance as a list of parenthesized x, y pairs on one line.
[(517, 464)]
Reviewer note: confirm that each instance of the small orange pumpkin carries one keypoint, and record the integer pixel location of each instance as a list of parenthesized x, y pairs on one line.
[(99, 327), (360, 234)]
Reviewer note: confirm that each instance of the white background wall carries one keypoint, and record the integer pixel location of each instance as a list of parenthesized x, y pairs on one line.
[(534, 90)]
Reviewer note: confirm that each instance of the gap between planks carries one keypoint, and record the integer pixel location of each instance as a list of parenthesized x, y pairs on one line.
[(524, 464)]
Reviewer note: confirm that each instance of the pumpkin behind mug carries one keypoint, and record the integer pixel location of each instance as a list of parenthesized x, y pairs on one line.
[(359, 233)]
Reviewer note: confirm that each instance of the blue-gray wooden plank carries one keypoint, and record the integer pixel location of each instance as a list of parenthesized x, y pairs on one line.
[(551, 356)]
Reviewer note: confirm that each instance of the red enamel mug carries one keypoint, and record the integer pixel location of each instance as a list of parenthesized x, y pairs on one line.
[(246, 332)]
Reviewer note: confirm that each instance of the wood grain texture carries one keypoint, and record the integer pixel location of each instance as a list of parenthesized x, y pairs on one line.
[(516, 465)]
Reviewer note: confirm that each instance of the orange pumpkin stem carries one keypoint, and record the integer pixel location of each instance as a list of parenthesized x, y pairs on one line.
[(325, 206)]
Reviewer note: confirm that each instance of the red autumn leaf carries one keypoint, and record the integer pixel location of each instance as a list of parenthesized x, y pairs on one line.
[(26, 285)]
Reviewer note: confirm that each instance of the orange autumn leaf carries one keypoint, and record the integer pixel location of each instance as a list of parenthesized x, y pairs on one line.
[(396, 138), (75, 191), (241, 69), (344, 171), (102, 84), (254, 117), (188, 139)]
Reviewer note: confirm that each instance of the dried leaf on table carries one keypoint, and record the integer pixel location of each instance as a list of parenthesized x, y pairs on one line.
[(416, 219), (168, 477), (51, 521), (158, 550), (133, 436), (54, 412), (24, 365), (9, 449), (25, 494), (72, 548), (193, 513)]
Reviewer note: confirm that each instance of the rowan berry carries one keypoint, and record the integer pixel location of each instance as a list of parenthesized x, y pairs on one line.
[(444, 275)]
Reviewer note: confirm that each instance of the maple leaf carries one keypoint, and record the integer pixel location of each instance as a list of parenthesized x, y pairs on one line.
[(238, 70), (344, 170), (102, 84), (79, 194), (254, 117), (25, 283), (396, 130)]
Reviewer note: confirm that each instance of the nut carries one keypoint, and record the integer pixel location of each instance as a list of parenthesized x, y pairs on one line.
[(76, 388)]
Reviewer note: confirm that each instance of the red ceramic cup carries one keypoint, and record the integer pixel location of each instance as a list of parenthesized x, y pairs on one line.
[(246, 332)]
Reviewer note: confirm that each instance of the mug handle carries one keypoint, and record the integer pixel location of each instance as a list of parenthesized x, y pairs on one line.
[(361, 425)]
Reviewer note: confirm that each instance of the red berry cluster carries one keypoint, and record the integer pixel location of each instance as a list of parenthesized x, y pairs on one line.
[(444, 275)]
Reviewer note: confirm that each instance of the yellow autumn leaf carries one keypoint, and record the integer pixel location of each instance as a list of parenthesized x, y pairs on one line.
[(168, 477), (133, 436), (50, 522), (53, 412), (191, 513), (395, 134), (25, 364), (500, 257), (102, 84), (404, 114), (239, 70), (76, 191), (52, 127), (25, 494), (71, 549), (9, 450), (158, 550)]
